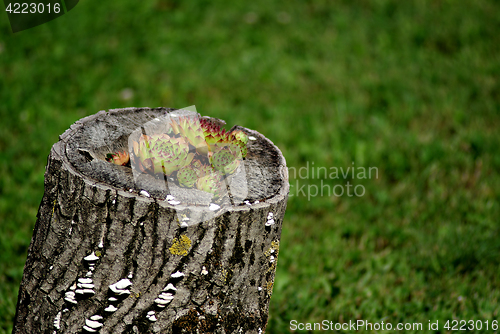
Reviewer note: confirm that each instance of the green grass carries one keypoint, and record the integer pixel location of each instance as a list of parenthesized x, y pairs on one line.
[(409, 87)]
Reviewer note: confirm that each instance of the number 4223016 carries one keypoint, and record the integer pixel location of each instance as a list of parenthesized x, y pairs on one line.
[(463, 325), (32, 8)]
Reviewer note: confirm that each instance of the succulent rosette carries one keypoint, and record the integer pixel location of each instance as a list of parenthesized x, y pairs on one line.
[(118, 158), (242, 144), (187, 176), (214, 134), (210, 128), (191, 129), (240, 136), (161, 153), (211, 183), (203, 170), (198, 151), (226, 157)]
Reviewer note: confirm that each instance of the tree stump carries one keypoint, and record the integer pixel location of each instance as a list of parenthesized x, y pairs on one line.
[(113, 252)]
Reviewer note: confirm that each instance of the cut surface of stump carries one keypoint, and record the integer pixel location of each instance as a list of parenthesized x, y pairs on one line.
[(117, 251)]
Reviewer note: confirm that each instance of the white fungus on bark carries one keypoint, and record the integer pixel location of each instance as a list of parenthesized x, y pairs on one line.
[(166, 296), (177, 274), (144, 193), (120, 287), (213, 207), (151, 316), (85, 292), (270, 222), (110, 309), (57, 320), (93, 324), (162, 301), (122, 284), (91, 258), (85, 280), (204, 270), (168, 292), (71, 300), (69, 296), (170, 287)]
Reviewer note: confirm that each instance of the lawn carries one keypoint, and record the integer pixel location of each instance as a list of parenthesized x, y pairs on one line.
[(409, 88)]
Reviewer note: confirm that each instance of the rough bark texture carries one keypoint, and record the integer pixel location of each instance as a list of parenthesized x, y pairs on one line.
[(91, 207)]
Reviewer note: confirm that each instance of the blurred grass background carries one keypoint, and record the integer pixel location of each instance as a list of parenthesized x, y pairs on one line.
[(409, 87)]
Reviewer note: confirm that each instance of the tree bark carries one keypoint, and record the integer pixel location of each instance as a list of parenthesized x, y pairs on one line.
[(109, 254)]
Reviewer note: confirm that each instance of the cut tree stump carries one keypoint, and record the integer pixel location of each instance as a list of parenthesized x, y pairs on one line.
[(115, 253)]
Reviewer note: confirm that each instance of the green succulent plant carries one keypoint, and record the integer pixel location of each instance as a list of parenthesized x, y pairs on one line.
[(118, 158), (210, 128), (187, 176), (228, 138), (161, 154), (191, 129), (201, 169), (211, 183), (225, 157), (218, 153), (241, 136)]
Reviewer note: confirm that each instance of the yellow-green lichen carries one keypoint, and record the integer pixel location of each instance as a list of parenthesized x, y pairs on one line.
[(272, 254), (269, 288), (181, 246), (223, 276), (98, 254), (274, 249), (53, 209)]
